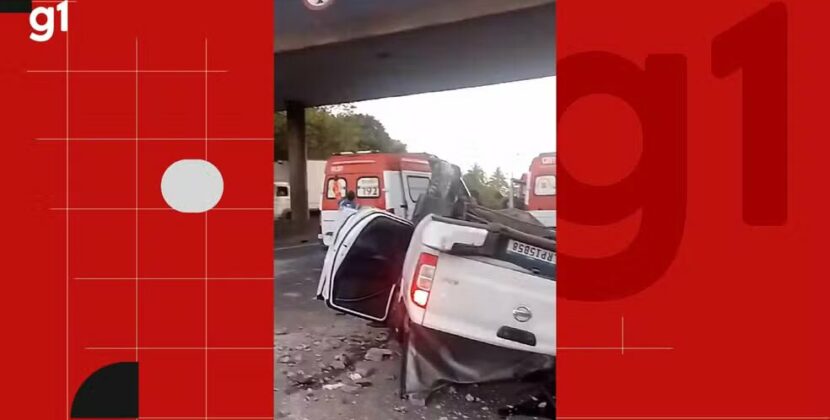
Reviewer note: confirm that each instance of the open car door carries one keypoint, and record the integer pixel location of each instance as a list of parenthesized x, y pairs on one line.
[(363, 265)]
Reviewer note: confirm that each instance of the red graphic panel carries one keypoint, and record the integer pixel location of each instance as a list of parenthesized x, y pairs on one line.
[(101, 274), (692, 231)]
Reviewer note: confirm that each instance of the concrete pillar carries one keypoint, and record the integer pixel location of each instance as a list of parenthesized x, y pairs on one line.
[(297, 156)]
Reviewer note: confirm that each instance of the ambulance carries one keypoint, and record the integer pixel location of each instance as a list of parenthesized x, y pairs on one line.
[(387, 181), (540, 193)]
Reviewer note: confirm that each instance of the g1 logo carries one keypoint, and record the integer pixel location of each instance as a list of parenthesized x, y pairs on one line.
[(42, 20), (657, 185)]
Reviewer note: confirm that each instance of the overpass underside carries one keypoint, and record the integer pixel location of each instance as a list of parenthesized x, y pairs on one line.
[(505, 47)]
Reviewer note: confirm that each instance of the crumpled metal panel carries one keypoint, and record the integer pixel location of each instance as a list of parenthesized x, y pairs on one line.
[(444, 194), (434, 359)]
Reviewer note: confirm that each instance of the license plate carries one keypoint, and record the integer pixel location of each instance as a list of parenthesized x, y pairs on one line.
[(530, 251)]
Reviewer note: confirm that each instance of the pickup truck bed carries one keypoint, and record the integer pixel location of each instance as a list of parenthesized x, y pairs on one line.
[(492, 284)]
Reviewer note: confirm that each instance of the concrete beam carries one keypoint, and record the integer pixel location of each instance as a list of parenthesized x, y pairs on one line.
[(296, 27), (494, 48), (297, 156)]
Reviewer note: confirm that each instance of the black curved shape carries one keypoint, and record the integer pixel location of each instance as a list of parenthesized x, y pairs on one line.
[(16, 6), (110, 392)]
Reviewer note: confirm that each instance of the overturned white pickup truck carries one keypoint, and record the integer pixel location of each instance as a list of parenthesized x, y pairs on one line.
[(471, 291)]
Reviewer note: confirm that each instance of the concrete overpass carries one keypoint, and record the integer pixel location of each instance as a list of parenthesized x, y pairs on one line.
[(354, 50)]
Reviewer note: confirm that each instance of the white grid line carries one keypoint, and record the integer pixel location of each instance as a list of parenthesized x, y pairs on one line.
[(208, 418), (621, 348), (66, 217), (615, 348), (155, 209), (206, 235), (174, 278), (117, 71), (90, 139), (199, 348), (622, 335), (136, 204)]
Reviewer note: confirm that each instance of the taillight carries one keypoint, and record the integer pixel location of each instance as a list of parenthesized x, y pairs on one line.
[(422, 281)]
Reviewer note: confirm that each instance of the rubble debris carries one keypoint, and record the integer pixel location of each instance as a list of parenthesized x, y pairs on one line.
[(364, 371), (469, 398), (364, 382), (351, 389), (331, 387), (281, 331), (299, 377), (377, 354), (382, 336), (340, 361), (418, 400), (331, 344)]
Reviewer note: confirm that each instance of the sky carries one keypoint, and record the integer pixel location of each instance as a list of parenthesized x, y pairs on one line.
[(503, 125)]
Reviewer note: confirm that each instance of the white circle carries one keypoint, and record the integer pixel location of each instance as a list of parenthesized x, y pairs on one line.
[(192, 186)]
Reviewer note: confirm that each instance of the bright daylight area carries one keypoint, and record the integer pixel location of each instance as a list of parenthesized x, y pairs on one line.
[(498, 126)]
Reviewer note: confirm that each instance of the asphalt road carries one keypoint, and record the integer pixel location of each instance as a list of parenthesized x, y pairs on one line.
[(312, 341)]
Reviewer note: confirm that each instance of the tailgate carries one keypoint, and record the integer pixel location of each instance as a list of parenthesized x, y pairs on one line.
[(534, 253), (485, 300)]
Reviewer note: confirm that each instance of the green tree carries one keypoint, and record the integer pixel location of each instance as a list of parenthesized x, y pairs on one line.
[(488, 191), (475, 178), (498, 182), (334, 129)]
